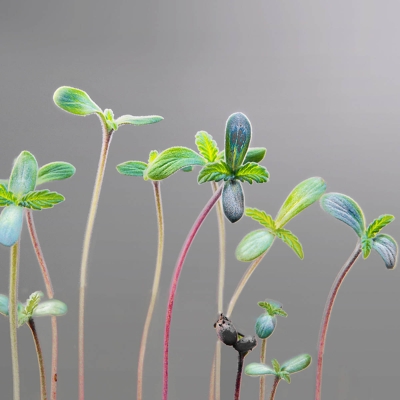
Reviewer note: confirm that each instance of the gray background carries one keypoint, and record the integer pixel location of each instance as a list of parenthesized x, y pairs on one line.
[(320, 83)]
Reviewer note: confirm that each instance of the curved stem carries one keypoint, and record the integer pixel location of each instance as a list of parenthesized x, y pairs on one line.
[(327, 314), (50, 295), (239, 375), (263, 354), (43, 390), (211, 393), (13, 317), (274, 387), (85, 255), (154, 292), (175, 279)]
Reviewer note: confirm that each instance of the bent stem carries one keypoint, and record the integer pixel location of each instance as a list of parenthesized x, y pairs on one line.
[(43, 390), (327, 314), (263, 354), (154, 292), (175, 279), (50, 295), (85, 255), (274, 387), (13, 316), (239, 375)]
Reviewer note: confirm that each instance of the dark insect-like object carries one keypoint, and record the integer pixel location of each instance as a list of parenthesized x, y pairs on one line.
[(226, 331)]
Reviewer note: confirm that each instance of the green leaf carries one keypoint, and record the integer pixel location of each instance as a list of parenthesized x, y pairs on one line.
[(221, 156), (187, 169), (132, 168), (275, 365), (25, 314), (207, 146), (366, 245), (257, 369), (378, 224), (252, 172), (40, 199), (280, 312), (172, 160), (301, 197), (4, 182), (262, 217), (286, 376), (23, 175), (387, 248), (296, 364), (55, 171), (254, 244), (291, 240), (75, 101), (4, 305), (255, 154), (216, 171), (152, 156), (131, 120), (109, 116), (345, 209), (6, 197), (11, 225), (53, 307)]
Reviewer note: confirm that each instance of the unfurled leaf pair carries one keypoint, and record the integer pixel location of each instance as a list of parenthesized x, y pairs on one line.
[(256, 243), (348, 211), (18, 192)]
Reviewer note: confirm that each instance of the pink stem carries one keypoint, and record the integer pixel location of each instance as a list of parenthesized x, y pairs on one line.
[(175, 280)]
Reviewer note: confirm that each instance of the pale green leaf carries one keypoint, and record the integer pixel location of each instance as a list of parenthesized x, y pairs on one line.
[(11, 225), (144, 120), (152, 155), (6, 197), (75, 101), (296, 364), (55, 171), (4, 305), (286, 376), (53, 307), (262, 217), (40, 199), (378, 224), (207, 146), (366, 246), (132, 168), (23, 175), (291, 240), (257, 369), (255, 154), (254, 244), (252, 172), (215, 171), (275, 365)]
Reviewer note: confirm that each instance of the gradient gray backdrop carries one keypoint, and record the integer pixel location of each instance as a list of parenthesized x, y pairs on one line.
[(320, 83)]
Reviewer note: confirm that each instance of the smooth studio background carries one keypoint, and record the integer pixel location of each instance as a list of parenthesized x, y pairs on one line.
[(320, 83)]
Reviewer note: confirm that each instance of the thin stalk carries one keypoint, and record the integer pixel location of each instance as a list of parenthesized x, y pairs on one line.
[(327, 314), (13, 316), (220, 291), (85, 255), (211, 393), (154, 292), (43, 390), (263, 355), (50, 295), (175, 279), (274, 387), (239, 375)]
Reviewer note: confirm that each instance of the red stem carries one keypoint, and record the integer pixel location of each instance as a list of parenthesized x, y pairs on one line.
[(239, 375), (175, 280), (274, 387), (327, 314)]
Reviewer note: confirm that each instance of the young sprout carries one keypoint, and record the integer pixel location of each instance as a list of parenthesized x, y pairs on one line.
[(345, 209), (78, 102)]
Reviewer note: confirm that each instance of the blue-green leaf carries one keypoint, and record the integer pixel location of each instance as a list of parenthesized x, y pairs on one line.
[(215, 171), (296, 364), (255, 154), (172, 160), (237, 139), (75, 101), (131, 120), (23, 175), (301, 197), (286, 376), (378, 224), (4, 305), (4, 182), (10, 225), (252, 172), (40, 199), (257, 369), (291, 240), (55, 171), (53, 307), (132, 168), (254, 244), (207, 146), (233, 200), (6, 197), (387, 248), (262, 217)]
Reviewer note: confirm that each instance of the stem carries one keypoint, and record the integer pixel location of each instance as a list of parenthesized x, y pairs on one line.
[(50, 295), (175, 279), (85, 255), (13, 316), (239, 375), (327, 314), (274, 387), (211, 393), (263, 354), (43, 391), (220, 295), (154, 292)]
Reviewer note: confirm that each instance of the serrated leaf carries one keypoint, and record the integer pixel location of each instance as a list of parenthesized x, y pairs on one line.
[(285, 376), (75, 101), (53, 307), (233, 200), (40, 199), (25, 313), (296, 364), (254, 244), (280, 312), (23, 175), (257, 369), (275, 365), (252, 172), (55, 171), (387, 248), (216, 172), (262, 217), (172, 160), (10, 225), (255, 154), (207, 146), (144, 120), (132, 168), (152, 155), (378, 224), (291, 240), (6, 197), (276, 304), (366, 246), (221, 156), (301, 197)]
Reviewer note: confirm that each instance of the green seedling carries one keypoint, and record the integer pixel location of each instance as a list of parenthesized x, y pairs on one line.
[(345, 209)]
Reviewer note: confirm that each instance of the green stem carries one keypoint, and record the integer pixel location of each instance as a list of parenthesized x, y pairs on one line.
[(85, 255), (43, 390), (13, 316), (154, 292), (274, 387), (263, 355)]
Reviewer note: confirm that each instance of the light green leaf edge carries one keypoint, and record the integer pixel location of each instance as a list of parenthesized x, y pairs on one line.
[(55, 171), (207, 146)]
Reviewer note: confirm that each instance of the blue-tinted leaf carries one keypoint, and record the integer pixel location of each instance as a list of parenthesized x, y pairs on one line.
[(387, 248), (55, 171), (255, 154), (257, 369), (296, 364), (131, 120), (10, 225), (233, 200), (345, 209), (3, 304), (23, 175), (254, 244), (53, 307), (75, 101), (132, 168), (265, 325)]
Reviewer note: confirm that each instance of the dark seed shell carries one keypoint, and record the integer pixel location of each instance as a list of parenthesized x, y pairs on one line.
[(226, 332), (233, 200), (245, 344)]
